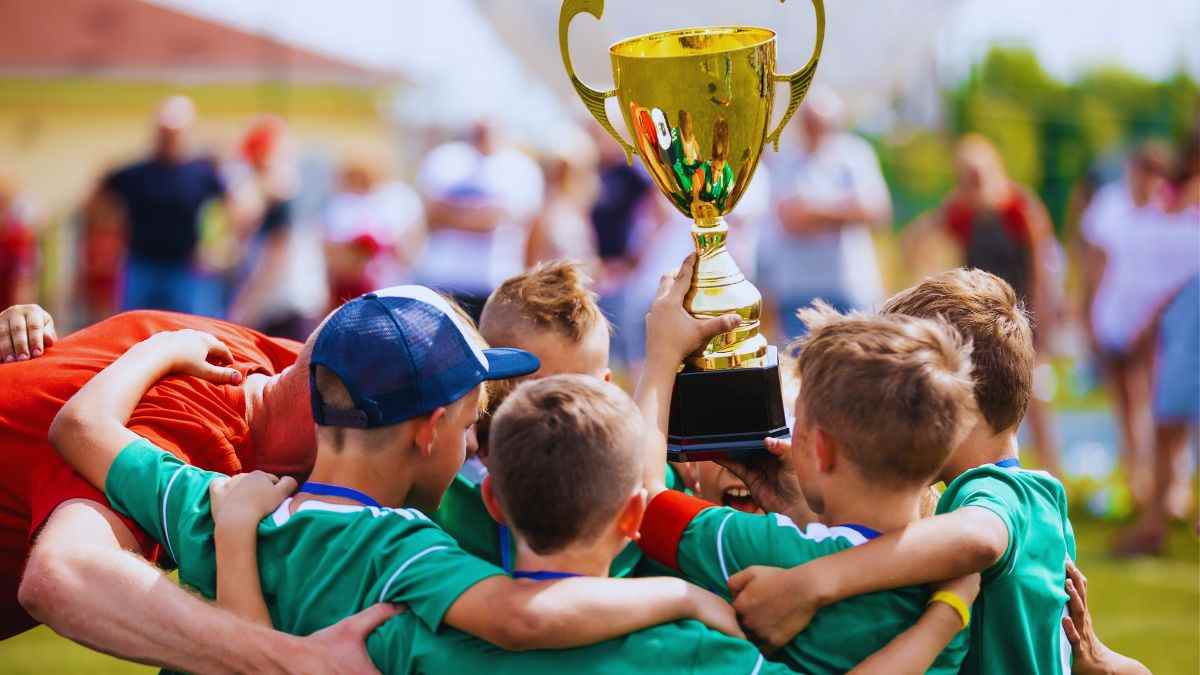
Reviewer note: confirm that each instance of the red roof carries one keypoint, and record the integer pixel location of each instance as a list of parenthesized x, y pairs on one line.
[(138, 39)]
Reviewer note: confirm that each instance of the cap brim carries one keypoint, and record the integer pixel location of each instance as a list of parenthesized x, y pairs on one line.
[(504, 363)]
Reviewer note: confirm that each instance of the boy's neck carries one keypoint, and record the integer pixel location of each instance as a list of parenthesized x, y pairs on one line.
[(870, 505), (590, 560), (355, 470), (981, 447)]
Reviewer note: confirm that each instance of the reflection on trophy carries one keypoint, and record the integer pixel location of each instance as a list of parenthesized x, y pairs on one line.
[(698, 103)]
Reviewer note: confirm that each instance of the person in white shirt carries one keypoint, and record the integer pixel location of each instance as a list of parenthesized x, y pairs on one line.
[(831, 197), (1138, 257), (479, 198), (373, 231)]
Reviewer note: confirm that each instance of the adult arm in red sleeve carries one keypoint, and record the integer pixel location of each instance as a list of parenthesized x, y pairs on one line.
[(82, 580)]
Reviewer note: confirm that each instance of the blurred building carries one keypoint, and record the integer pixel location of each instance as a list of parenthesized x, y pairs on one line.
[(79, 81)]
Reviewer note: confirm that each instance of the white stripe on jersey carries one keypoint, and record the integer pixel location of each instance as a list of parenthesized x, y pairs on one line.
[(400, 570), (757, 665), (167, 495), (721, 549), (819, 532), (284, 511)]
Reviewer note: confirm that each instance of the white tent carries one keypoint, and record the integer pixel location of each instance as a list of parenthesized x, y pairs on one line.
[(456, 66), (875, 50)]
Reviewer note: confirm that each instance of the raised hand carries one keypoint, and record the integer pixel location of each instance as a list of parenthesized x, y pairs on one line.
[(25, 333), (196, 353), (671, 332), (241, 501), (771, 480), (341, 649), (1088, 654), (772, 606)]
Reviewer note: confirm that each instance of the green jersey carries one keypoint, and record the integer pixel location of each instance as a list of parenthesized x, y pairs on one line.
[(1016, 622), (407, 646), (463, 515), (709, 544), (318, 565)]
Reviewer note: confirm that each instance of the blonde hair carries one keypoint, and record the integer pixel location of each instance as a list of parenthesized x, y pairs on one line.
[(894, 392), (552, 296), (986, 310)]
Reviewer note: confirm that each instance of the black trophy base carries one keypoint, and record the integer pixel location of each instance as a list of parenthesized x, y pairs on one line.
[(722, 413)]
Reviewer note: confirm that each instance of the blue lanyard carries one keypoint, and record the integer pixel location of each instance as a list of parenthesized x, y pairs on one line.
[(865, 531), (1010, 463), (327, 490), (543, 575), (506, 561)]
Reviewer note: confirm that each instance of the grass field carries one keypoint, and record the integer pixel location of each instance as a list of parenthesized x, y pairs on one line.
[(1147, 608)]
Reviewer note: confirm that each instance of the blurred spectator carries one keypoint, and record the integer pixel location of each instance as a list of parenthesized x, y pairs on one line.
[(374, 231), (18, 247), (748, 221), (1137, 259), (561, 230), (831, 197), (624, 189), (275, 294), (624, 192), (479, 197), (161, 199), (1002, 227), (1176, 404)]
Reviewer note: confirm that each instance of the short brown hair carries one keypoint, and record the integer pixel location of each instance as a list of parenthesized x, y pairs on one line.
[(893, 391), (986, 310), (552, 296), (564, 458)]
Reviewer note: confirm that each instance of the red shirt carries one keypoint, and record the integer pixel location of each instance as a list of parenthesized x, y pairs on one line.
[(1015, 213), (18, 250), (203, 423)]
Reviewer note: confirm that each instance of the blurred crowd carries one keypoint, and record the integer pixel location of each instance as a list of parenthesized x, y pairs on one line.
[(189, 231)]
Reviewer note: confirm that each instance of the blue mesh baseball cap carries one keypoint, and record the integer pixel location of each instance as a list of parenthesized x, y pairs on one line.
[(403, 352)]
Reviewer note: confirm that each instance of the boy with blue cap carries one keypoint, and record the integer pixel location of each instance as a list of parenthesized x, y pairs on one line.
[(395, 380)]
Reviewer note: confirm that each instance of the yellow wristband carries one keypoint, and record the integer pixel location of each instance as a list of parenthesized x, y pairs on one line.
[(956, 603)]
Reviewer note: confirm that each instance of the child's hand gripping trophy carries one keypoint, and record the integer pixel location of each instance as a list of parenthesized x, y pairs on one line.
[(671, 332)]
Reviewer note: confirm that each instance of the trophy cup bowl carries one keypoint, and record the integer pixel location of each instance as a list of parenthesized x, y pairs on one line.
[(698, 102)]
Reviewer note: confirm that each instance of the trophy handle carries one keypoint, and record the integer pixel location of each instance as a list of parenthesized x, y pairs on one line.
[(800, 80), (592, 99)]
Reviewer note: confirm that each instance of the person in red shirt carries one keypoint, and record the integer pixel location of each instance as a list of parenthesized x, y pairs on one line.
[(1000, 226), (76, 579), (18, 247)]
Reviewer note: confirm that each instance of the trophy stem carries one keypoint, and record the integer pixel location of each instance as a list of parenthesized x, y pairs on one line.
[(719, 288)]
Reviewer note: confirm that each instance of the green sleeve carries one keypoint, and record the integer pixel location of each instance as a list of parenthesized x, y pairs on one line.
[(995, 492), (392, 645), (714, 653), (720, 542), (463, 516), (164, 496), (424, 568)]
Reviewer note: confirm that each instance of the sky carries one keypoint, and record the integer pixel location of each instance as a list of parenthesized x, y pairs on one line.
[(1153, 37), (1150, 36)]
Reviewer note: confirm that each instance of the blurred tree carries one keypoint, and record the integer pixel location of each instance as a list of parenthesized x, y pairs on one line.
[(1048, 132)]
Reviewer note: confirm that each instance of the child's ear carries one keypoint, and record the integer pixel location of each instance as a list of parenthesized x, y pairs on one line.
[(825, 450), (427, 431), (629, 521), (490, 502)]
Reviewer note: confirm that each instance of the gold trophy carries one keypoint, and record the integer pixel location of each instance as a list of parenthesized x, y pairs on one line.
[(698, 102)]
